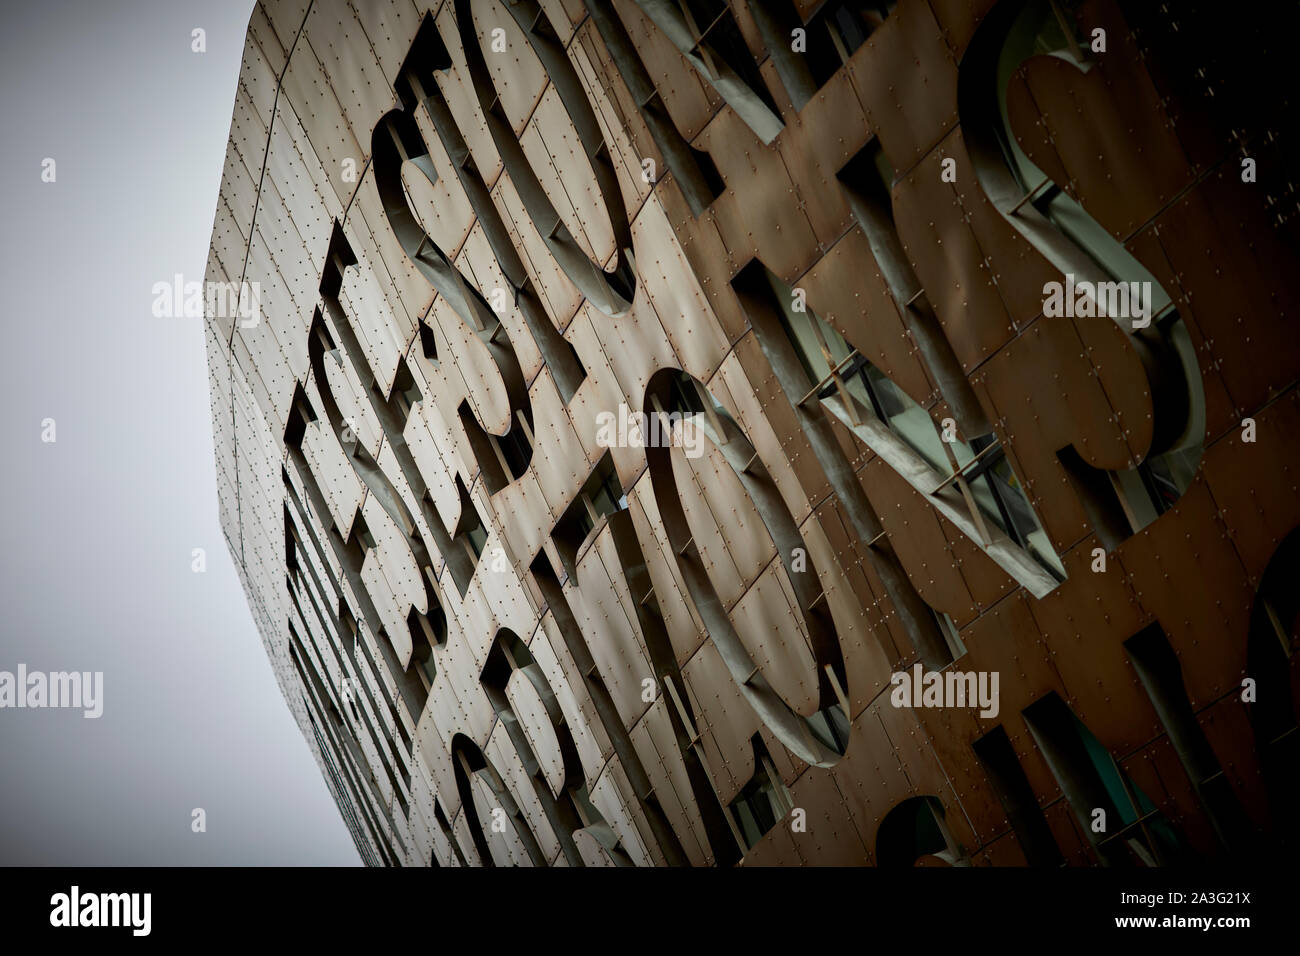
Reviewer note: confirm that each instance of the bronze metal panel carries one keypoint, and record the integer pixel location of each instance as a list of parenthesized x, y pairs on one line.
[(689, 99), (906, 80), (776, 230), (815, 145), (957, 20), (681, 620), (949, 258), (830, 838), (918, 540), (1241, 300), (656, 744), (618, 651), (517, 73), (1050, 400), (1187, 545), (1254, 484), (462, 101), (1122, 167), (845, 289), (725, 724)]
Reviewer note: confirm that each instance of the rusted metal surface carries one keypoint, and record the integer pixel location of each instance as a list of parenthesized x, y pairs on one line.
[(737, 609)]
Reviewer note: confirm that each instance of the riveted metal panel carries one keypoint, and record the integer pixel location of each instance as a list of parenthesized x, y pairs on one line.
[(1045, 383), (906, 80)]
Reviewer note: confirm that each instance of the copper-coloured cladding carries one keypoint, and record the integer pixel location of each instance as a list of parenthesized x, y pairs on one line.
[(582, 725), (948, 732), (558, 159), (955, 268), (600, 608), (258, 393), (383, 332), (957, 20), (559, 455), (724, 721), (656, 743), (520, 520), (986, 582), (295, 225), (442, 207), (506, 844), (815, 144), (611, 798), (1204, 373), (517, 75), (720, 513), (483, 274), (371, 238), (830, 836), (710, 260), (293, 165), (501, 751), (688, 97), (1225, 723), (871, 777), (1017, 269), (918, 540), (865, 662), (1044, 389), (1118, 370), (558, 294), (549, 650), (774, 632), (671, 318), (621, 121), (759, 216), (907, 84), (1122, 166), (1239, 301), (259, 79), (869, 652), (1162, 560), (462, 101), (1256, 485), (846, 290), (1158, 773), (681, 619), (772, 425), (1084, 623), (617, 801)]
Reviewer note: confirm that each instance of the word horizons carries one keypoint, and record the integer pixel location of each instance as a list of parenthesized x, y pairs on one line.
[(37, 690), (102, 909), (946, 689), (629, 429), (197, 300), (1086, 300)]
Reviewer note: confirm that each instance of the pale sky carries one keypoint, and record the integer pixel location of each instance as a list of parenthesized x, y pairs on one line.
[(99, 526)]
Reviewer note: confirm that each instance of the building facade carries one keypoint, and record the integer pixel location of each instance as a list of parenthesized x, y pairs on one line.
[(680, 432)]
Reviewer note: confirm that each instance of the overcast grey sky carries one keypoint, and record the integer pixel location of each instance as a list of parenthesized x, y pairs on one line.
[(99, 526)]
